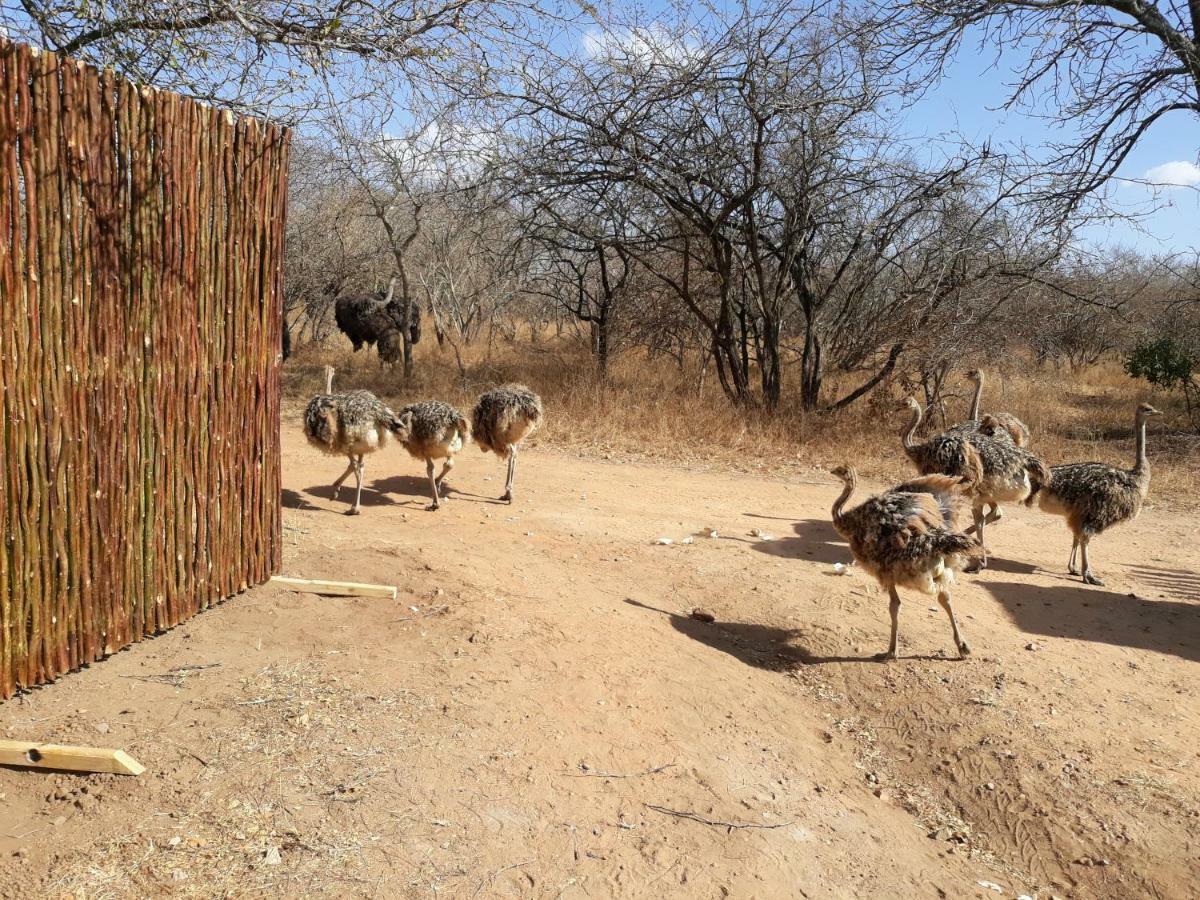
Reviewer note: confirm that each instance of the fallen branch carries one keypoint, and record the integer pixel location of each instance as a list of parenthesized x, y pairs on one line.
[(491, 878), (587, 774), (679, 814), (437, 610), (174, 677)]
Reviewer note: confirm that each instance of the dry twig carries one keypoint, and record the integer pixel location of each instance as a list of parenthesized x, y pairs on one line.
[(680, 814), (587, 774), (176, 676)]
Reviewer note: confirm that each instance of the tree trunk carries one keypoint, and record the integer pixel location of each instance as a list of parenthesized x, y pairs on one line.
[(602, 343), (810, 367), (770, 365)]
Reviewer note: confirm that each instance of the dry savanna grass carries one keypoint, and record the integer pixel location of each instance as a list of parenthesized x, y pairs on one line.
[(652, 409)]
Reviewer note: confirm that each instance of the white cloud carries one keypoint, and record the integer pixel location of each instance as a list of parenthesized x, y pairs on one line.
[(652, 44), (451, 149), (1173, 175)]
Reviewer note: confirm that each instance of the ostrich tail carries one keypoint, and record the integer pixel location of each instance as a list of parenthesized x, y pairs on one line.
[(1039, 478), (965, 547), (534, 411)]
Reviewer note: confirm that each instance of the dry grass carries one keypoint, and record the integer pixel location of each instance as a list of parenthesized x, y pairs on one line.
[(277, 815), (651, 409)]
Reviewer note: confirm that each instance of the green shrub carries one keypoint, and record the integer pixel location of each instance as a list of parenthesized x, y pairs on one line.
[(1163, 362)]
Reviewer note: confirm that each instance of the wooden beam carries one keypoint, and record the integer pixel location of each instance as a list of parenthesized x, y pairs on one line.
[(335, 588), (32, 754)]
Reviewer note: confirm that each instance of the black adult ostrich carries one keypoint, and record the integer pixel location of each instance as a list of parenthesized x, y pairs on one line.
[(377, 319)]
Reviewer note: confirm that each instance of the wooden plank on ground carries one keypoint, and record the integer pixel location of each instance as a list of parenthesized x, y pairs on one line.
[(32, 754), (336, 588)]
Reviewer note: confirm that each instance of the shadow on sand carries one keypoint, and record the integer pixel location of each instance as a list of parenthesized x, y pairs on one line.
[(1178, 582), (761, 646), (1086, 613), (370, 495), (815, 541), (290, 499), (417, 487), (1010, 566)]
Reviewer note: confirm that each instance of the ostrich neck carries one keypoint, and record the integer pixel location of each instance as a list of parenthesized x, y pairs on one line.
[(975, 401), (906, 436), (1140, 463), (840, 502)]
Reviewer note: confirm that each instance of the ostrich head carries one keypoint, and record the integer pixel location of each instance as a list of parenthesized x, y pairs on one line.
[(845, 474), (401, 427), (1145, 410)]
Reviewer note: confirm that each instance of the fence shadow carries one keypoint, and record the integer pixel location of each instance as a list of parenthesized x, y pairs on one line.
[(1093, 614), (815, 540), (1178, 582)]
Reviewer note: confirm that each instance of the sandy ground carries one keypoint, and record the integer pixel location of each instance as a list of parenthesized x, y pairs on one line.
[(538, 716)]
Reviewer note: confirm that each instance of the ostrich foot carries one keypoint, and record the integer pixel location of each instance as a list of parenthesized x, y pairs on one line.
[(964, 649), (354, 511), (507, 498), (885, 656), (1089, 578)]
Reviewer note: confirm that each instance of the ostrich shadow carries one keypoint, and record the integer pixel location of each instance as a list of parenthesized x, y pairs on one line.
[(371, 496), (1086, 613), (290, 499), (417, 487), (815, 541), (761, 646)]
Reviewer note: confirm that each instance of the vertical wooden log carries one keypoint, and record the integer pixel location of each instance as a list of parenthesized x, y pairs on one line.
[(34, 584), (8, 279), (47, 110), (74, 124)]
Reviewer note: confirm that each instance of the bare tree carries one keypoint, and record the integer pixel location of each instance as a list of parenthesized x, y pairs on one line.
[(768, 175), (1112, 69), (271, 54)]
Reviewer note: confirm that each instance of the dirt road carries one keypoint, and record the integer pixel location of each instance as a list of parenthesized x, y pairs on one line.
[(538, 716)]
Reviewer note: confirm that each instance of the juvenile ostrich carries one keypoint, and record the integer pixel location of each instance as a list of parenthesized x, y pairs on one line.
[(434, 430), (352, 425), (502, 418), (1010, 425), (943, 454), (907, 537), (1007, 473), (1095, 496)]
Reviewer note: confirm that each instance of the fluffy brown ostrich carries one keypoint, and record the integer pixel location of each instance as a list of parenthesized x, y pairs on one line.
[(1094, 496), (434, 430), (503, 417), (907, 537), (353, 425)]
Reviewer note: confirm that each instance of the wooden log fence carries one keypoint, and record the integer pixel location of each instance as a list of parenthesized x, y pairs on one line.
[(141, 248)]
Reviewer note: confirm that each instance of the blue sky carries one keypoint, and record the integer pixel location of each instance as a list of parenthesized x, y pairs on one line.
[(968, 102)]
